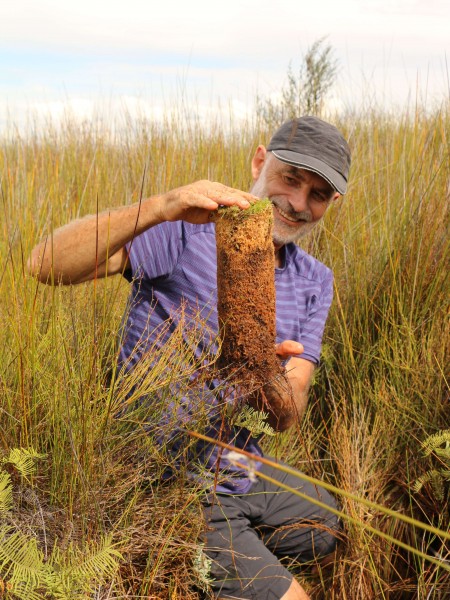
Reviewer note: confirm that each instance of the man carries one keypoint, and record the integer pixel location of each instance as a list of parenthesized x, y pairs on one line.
[(166, 247)]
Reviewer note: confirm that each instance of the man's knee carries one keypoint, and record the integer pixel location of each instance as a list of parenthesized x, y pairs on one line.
[(325, 540), (295, 592), (325, 531), (324, 544)]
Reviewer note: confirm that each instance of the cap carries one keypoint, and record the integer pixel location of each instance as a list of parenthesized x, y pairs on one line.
[(312, 144)]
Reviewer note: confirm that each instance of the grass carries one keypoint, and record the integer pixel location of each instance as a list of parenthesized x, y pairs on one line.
[(381, 390)]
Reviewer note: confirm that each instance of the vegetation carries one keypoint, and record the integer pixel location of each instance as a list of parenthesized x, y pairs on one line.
[(30, 573), (439, 446), (258, 207), (381, 390), (306, 90)]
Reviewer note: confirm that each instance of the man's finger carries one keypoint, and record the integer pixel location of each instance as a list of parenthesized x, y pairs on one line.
[(288, 348), (228, 196)]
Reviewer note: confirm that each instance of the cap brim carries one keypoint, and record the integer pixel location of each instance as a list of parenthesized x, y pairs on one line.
[(311, 163)]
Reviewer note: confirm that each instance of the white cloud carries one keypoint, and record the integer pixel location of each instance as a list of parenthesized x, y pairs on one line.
[(114, 114), (85, 50), (228, 29)]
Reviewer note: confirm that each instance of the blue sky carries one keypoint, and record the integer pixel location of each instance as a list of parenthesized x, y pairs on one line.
[(147, 55)]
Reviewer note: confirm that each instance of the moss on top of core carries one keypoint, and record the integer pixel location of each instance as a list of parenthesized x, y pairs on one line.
[(254, 209)]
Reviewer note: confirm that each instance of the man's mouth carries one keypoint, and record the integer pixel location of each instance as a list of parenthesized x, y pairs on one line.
[(287, 216)]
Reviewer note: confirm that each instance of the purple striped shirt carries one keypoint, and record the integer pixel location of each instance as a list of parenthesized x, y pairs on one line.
[(173, 265)]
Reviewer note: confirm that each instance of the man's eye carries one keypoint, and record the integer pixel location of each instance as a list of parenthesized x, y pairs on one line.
[(320, 197), (290, 180)]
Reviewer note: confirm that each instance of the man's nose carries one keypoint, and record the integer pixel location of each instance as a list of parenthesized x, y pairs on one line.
[(299, 200)]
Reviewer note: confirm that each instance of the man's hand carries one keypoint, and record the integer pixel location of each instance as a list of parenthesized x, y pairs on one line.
[(288, 348), (94, 246), (195, 202), (299, 372)]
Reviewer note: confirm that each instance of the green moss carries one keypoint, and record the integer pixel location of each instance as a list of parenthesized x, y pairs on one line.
[(254, 209)]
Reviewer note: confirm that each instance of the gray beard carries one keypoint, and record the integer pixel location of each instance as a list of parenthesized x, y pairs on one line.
[(282, 235)]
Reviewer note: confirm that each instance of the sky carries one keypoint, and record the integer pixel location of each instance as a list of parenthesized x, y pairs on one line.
[(142, 56)]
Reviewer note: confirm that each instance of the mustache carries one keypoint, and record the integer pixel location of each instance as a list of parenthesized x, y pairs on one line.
[(302, 215)]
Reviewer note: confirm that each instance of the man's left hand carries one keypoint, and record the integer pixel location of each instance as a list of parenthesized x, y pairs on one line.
[(288, 348), (298, 370)]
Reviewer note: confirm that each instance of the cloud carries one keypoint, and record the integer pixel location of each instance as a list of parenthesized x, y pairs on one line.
[(116, 114), (93, 50), (235, 30)]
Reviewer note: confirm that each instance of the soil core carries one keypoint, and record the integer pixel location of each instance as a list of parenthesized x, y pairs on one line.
[(246, 307)]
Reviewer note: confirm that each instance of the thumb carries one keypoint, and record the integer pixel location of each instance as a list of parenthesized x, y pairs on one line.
[(288, 348)]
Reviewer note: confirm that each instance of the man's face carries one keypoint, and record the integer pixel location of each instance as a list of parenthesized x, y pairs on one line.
[(300, 197)]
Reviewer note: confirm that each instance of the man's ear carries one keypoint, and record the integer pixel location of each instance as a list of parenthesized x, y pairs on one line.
[(258, 161), (336, 196)]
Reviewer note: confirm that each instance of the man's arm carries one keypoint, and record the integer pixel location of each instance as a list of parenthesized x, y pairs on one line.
[(95, 245), (299, 373)]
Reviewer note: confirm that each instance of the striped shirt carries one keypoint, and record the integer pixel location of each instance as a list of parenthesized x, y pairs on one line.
[(174, 287)]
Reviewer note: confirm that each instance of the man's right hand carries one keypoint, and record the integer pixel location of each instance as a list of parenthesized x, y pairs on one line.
[(195, 202)]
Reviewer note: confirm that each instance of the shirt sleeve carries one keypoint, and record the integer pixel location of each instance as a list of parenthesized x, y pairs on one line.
[(155, 253), (312, 331)]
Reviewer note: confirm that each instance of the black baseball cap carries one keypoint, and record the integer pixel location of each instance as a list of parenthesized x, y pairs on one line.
[(314, 145)]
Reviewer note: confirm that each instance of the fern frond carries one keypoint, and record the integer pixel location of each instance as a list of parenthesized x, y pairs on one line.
[(20, 591), (5, 493), (422, 480), (201, 566), (443, 454), (100, 559), (445, 474), (254, 421), (23, 459), (433, 442), (436, 479), (77, 573), (21, 563)]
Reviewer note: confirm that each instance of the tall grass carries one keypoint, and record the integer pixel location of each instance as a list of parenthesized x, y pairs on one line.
[(382, 387)]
